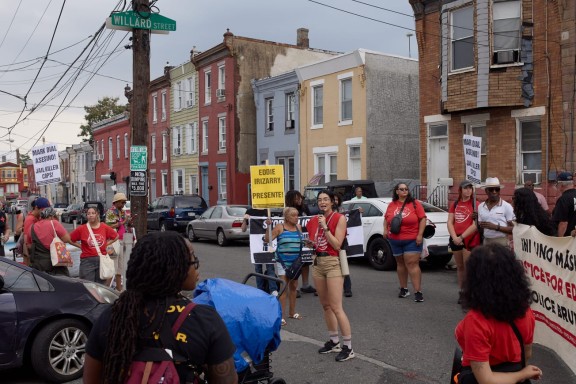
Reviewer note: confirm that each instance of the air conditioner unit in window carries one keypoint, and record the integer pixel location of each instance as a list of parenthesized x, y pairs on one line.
[(222, 145), (220, 92), (189, 103), (506, 57), (534, 176), (177, 151), (289, 124)]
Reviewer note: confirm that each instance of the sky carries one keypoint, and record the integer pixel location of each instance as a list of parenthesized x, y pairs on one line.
[(53, 62)]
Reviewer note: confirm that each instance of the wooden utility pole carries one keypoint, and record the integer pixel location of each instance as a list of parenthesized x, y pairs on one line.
[(139, 104)]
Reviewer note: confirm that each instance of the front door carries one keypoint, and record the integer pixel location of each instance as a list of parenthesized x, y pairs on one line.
[(205, 191), (437, 160)]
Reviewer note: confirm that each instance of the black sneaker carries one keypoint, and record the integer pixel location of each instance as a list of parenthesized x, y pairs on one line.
[(418, 297), (348, 293), (330, 346), (345, 354), (308, 289), (404, 292), (298, 294)]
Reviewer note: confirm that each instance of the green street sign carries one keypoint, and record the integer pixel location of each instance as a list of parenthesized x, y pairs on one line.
[(138, 158), (153, 21)]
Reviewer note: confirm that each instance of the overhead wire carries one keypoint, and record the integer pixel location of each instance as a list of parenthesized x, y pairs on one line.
[(10, 25)]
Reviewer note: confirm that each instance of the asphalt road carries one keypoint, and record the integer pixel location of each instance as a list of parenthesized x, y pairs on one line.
[(395, 340)]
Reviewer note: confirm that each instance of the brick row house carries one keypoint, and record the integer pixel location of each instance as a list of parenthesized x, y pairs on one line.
[(502, 70)]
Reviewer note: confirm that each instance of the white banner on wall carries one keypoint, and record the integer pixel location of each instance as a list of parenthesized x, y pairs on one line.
[(46, 164), (472, 158), (550, 263)]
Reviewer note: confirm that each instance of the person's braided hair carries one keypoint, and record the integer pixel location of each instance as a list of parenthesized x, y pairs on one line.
[(157, 269)]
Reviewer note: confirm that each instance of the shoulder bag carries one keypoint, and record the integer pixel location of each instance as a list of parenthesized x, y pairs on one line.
[(396, 222), (106, 263), (59, 255)]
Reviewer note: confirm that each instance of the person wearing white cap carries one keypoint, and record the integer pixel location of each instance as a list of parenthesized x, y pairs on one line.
[(495, 215), (117, 219)]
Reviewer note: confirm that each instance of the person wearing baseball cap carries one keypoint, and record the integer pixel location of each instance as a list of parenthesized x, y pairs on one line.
[(495, 215), (565, 210), (33, 216), (117, 219)]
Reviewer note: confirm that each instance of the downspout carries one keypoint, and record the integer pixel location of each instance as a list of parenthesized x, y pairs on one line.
[(548, 101)]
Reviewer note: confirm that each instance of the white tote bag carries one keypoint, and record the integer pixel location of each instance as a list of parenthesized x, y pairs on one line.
[(106, 263)]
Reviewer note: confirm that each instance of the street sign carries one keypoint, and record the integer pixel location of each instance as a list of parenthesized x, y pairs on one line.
[(138, 158), (152, 21), (138, 183)]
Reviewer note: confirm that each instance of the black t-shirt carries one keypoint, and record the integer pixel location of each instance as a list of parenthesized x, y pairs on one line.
[(565, 210), (203, 337), (3, 222)]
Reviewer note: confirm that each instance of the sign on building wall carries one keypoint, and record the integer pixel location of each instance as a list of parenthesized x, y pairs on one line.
[(267, 186), (472, 158), (46, 164)]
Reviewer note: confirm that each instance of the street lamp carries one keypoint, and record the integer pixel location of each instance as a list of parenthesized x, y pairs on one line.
[(409, 35)]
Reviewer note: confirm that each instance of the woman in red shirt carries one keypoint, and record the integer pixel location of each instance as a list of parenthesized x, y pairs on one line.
[(464, 235), (407, 244), (486, 334)]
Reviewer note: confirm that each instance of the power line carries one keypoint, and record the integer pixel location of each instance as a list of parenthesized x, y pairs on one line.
[(11, 21)]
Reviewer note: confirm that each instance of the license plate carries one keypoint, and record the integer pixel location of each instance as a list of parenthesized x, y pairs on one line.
[(191, 214)]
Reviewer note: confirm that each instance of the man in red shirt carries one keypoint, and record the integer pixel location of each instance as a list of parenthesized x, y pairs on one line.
[(33, 216)]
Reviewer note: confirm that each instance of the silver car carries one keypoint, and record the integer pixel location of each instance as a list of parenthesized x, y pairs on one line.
[(221, 223)]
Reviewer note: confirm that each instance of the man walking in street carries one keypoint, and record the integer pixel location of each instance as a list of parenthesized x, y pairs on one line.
[(117, 219), (541, 199), (495, 215), (565, 209)]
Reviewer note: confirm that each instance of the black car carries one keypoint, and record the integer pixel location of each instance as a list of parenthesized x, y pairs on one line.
[(174, 212), (45, 320), (92, 204), (72, 212)]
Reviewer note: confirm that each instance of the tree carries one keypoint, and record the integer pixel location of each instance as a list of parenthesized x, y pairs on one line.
[(24, 157), (106, 108)]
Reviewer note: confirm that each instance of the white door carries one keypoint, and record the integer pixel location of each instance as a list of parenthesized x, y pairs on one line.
[(437, 156)]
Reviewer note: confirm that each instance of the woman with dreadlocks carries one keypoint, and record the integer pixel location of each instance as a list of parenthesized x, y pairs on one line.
[(149, 306)]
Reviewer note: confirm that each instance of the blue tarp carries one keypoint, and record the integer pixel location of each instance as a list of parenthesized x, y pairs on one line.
[(252, 316)]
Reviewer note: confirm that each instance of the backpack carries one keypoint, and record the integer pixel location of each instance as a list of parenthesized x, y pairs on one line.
[(156, 364)]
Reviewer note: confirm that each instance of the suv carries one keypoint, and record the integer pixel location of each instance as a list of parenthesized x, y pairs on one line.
[(174, 212), (71, 213), (92, 204), (343, 187)]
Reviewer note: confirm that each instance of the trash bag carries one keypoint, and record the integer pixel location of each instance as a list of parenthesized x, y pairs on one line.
[(252, 317)]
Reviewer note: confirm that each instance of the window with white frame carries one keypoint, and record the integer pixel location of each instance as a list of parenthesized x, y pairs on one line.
[(269, 110), (346, 99), (193, 183), (102, 148), (178, 181), (222, 78), (96, 148), (163, 101), (479, 130), (153, 148), (164, 182), (318, 105), (326, 164), (154, 108), (506, 28), (190, 91), (110, 153), (222, 133), (288, 163), (192, 138), (221, 184), (207, 87), (177, 141), (164, 148), (531, 150), (462, 38), (126, 146), (118, 146), (354, 162), (204, 136), (290, 110), (178, 94)]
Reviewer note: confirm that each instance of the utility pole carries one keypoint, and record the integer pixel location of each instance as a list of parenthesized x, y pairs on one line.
[(139, 105)]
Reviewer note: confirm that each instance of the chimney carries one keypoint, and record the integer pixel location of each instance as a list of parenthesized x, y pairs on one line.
[(302, 38)]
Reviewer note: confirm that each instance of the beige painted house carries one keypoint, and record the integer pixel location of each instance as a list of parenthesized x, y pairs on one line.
[(184, 128)]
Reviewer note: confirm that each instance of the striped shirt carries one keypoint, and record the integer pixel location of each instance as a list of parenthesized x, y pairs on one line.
[(288, 246)]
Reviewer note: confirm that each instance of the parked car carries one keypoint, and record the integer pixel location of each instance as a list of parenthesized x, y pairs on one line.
[(92, 204), (126, 208), (59, 208), (221, 223), (72, 212), (174, 212), (345, 188), (45, 320), (376, 247)]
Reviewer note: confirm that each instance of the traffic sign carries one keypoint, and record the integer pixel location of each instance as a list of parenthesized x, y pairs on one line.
[(152, 21), (138, 183), (138, 158)]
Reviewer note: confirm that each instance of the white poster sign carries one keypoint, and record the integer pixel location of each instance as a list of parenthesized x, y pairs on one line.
[(550, 263), (46, 164), (472, 158)]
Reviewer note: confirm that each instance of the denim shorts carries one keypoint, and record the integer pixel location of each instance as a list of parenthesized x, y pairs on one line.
[(400, 247)]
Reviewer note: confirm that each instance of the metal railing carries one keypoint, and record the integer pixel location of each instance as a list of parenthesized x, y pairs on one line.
[(438, 196)]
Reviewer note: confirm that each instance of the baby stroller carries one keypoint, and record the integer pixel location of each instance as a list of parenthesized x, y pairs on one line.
[(253, 320)]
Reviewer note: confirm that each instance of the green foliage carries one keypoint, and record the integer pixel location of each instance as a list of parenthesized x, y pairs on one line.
[(24, 157), (104, 109)]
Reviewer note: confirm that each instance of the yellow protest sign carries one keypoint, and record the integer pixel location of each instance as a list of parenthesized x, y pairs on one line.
[(267, 186)]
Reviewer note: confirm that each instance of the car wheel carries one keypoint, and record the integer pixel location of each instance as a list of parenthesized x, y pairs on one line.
[(191, 235), (221, 238), (162, 227), (58, 350), (277, 381), (380, 255)]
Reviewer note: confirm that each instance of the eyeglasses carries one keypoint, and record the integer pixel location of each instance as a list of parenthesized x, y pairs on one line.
[(402, 189), (195, 263), (490, 190)]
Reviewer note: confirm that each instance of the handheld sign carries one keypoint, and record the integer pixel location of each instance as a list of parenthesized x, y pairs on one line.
[(472, 158), (267, 186), (46, 164)]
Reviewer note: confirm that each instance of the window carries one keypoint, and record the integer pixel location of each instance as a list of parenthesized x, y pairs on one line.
[(479, 130), (102, 148), (531, 151), (163, 106), (178, 93), (164, 148), (506, 31), (326, 164), (192, 138), (177, 141), (191, 91), (154, 108), (290, 110), (354, 162), (118, 146), (222, 77), (269, 103), (164, 183), (126, 146), (205, 136), (222, 133), (288, 163), (153, 148), (221, 184), (178, 181), (462, 38), (207, 87), (318, 104), (110, 153), (345, 99), (193, 184)]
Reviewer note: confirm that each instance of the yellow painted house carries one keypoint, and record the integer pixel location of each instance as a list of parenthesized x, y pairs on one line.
[(184, 128)]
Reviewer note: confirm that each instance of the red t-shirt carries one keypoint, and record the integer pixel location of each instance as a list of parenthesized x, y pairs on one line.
[(45, 233), (463, 219), (483, 339), (102, 235), (410, 219), (28, 221), (316, 234)]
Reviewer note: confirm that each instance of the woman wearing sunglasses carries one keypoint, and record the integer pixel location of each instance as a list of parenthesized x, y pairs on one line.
[(407, 243), (495, 215)]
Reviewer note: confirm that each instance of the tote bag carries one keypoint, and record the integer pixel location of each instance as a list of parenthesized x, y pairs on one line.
[(106, 263), (59, 255)]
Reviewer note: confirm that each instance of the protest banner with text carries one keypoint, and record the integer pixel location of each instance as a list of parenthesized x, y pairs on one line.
[(267, 186), (472, 158), (46, 164)]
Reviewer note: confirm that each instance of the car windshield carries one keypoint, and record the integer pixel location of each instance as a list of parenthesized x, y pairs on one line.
[(236, 211), (188, 202), (60, 205), (311, 194), (431, 208)]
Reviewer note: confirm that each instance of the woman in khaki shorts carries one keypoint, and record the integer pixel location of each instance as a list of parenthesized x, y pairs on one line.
[(327, 232)]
